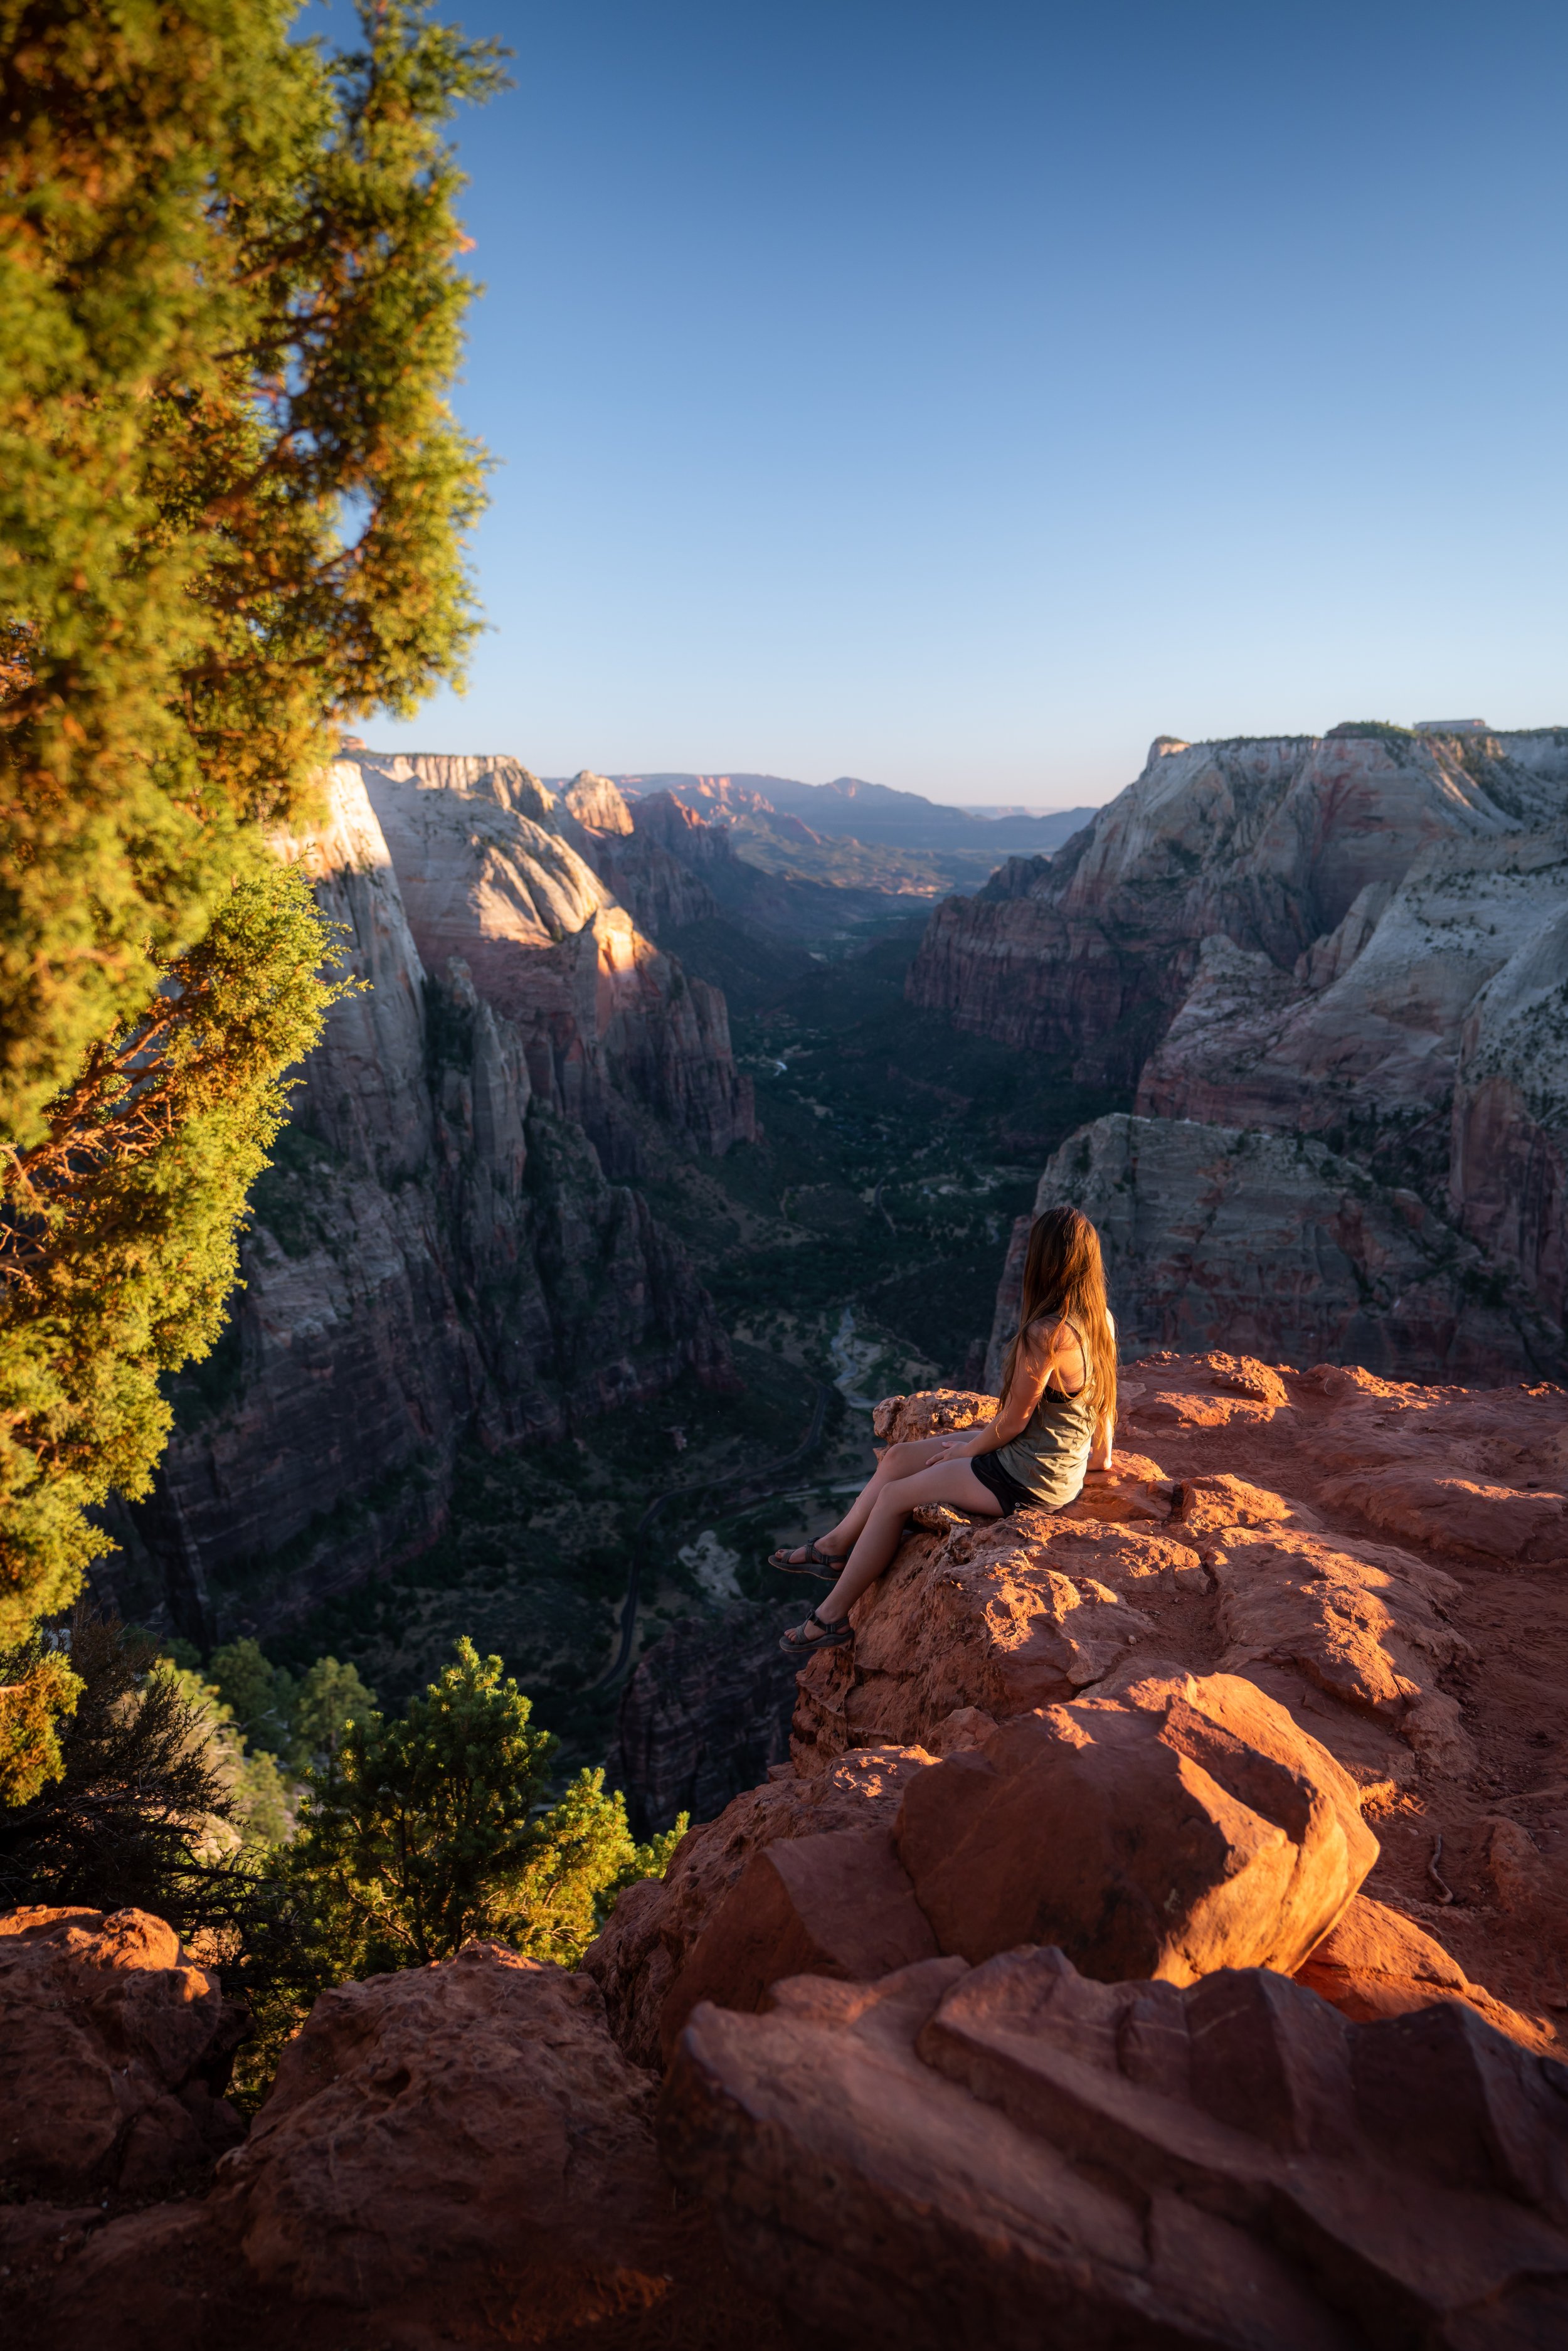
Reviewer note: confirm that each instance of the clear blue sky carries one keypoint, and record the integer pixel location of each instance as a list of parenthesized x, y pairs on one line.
[(959, 396)]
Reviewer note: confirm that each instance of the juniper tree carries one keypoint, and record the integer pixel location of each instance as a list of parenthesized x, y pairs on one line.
[(232, 506)]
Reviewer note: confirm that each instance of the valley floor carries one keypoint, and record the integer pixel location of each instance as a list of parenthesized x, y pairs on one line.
[(857, 1245)]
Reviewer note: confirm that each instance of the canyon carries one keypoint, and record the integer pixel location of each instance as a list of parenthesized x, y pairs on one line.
[(1359, 942), (449, 1246), (1155, 1932), (1151, 1928)]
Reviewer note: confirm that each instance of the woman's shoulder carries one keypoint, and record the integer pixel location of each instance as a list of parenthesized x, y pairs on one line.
[(1046, 1330)]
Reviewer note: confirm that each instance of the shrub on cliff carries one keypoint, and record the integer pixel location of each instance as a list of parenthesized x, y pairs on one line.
[(138, 1809), (232, 504), (422, 1833)]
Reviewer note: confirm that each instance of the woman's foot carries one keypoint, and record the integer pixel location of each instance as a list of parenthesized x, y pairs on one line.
[(816, 1633), (807, 1560)]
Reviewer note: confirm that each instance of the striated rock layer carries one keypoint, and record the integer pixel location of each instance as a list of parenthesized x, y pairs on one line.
[(489, 867), (1014, 2156), (1362, 940), (1227, 1236), (437, 1253), (704, 1715)]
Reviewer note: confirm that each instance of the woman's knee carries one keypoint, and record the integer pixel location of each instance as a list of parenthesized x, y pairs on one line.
[(902, 1460)]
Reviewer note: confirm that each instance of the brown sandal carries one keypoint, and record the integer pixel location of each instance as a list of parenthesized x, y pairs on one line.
[(818, 1563), (798, 1643)]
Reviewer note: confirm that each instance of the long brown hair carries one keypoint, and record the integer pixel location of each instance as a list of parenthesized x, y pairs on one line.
[(1064, 1275)]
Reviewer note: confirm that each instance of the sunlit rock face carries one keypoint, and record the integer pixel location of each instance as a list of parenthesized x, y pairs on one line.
[(1270, 844), (1362, 939), (488, 862), (440, 1251)]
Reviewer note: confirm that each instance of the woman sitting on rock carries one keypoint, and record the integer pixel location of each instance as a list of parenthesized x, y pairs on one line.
[(1053, 1425)]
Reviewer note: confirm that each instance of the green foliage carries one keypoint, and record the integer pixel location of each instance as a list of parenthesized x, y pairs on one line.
[(261, 1802), (431, 1830), (38, 1693), (302, 1723), (118, 1230), (232, 494), (231, 507), (140, 1813), (260, 1697), (330, 1697), (425, 1832)]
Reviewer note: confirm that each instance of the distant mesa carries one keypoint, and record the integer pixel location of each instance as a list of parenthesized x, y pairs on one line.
[(1354, 727)]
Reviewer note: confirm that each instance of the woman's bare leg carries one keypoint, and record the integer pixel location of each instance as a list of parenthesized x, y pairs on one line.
[(898, 1461), (883, 1525)]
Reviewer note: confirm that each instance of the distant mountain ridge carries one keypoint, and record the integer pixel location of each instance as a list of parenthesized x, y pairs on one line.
[(875, 813)]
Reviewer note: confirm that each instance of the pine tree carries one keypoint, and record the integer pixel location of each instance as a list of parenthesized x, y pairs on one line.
[(424, 1831), (232, 506)]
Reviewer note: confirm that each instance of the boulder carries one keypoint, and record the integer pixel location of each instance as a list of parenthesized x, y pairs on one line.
[(1176, 1828), (115, 2051), (932, 1412), (1017, 2157), (655, 1927), (476, 2113), (456, 2153)]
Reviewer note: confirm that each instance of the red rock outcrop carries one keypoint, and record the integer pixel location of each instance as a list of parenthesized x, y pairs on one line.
[(655, 1927), (1378, 1962), (1167, 1828), (456, 2153), (837, 1903), (1016, 2156), (1383, 1560), (115, 2052)]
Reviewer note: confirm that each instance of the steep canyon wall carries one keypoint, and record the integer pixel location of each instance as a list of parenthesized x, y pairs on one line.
[(440, 1250), (1362, 940)]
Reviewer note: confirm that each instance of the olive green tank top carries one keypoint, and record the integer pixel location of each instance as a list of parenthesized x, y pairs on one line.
[(1051, 1455)]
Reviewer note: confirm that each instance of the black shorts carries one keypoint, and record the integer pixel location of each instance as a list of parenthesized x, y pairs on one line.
[(1001, 1483)]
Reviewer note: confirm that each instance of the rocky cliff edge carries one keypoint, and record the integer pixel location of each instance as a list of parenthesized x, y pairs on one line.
[(1156, 1937)]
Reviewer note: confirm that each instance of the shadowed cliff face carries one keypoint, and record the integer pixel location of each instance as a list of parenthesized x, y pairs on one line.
[(437, 1252), (1363, 940), (1226, 1237)]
